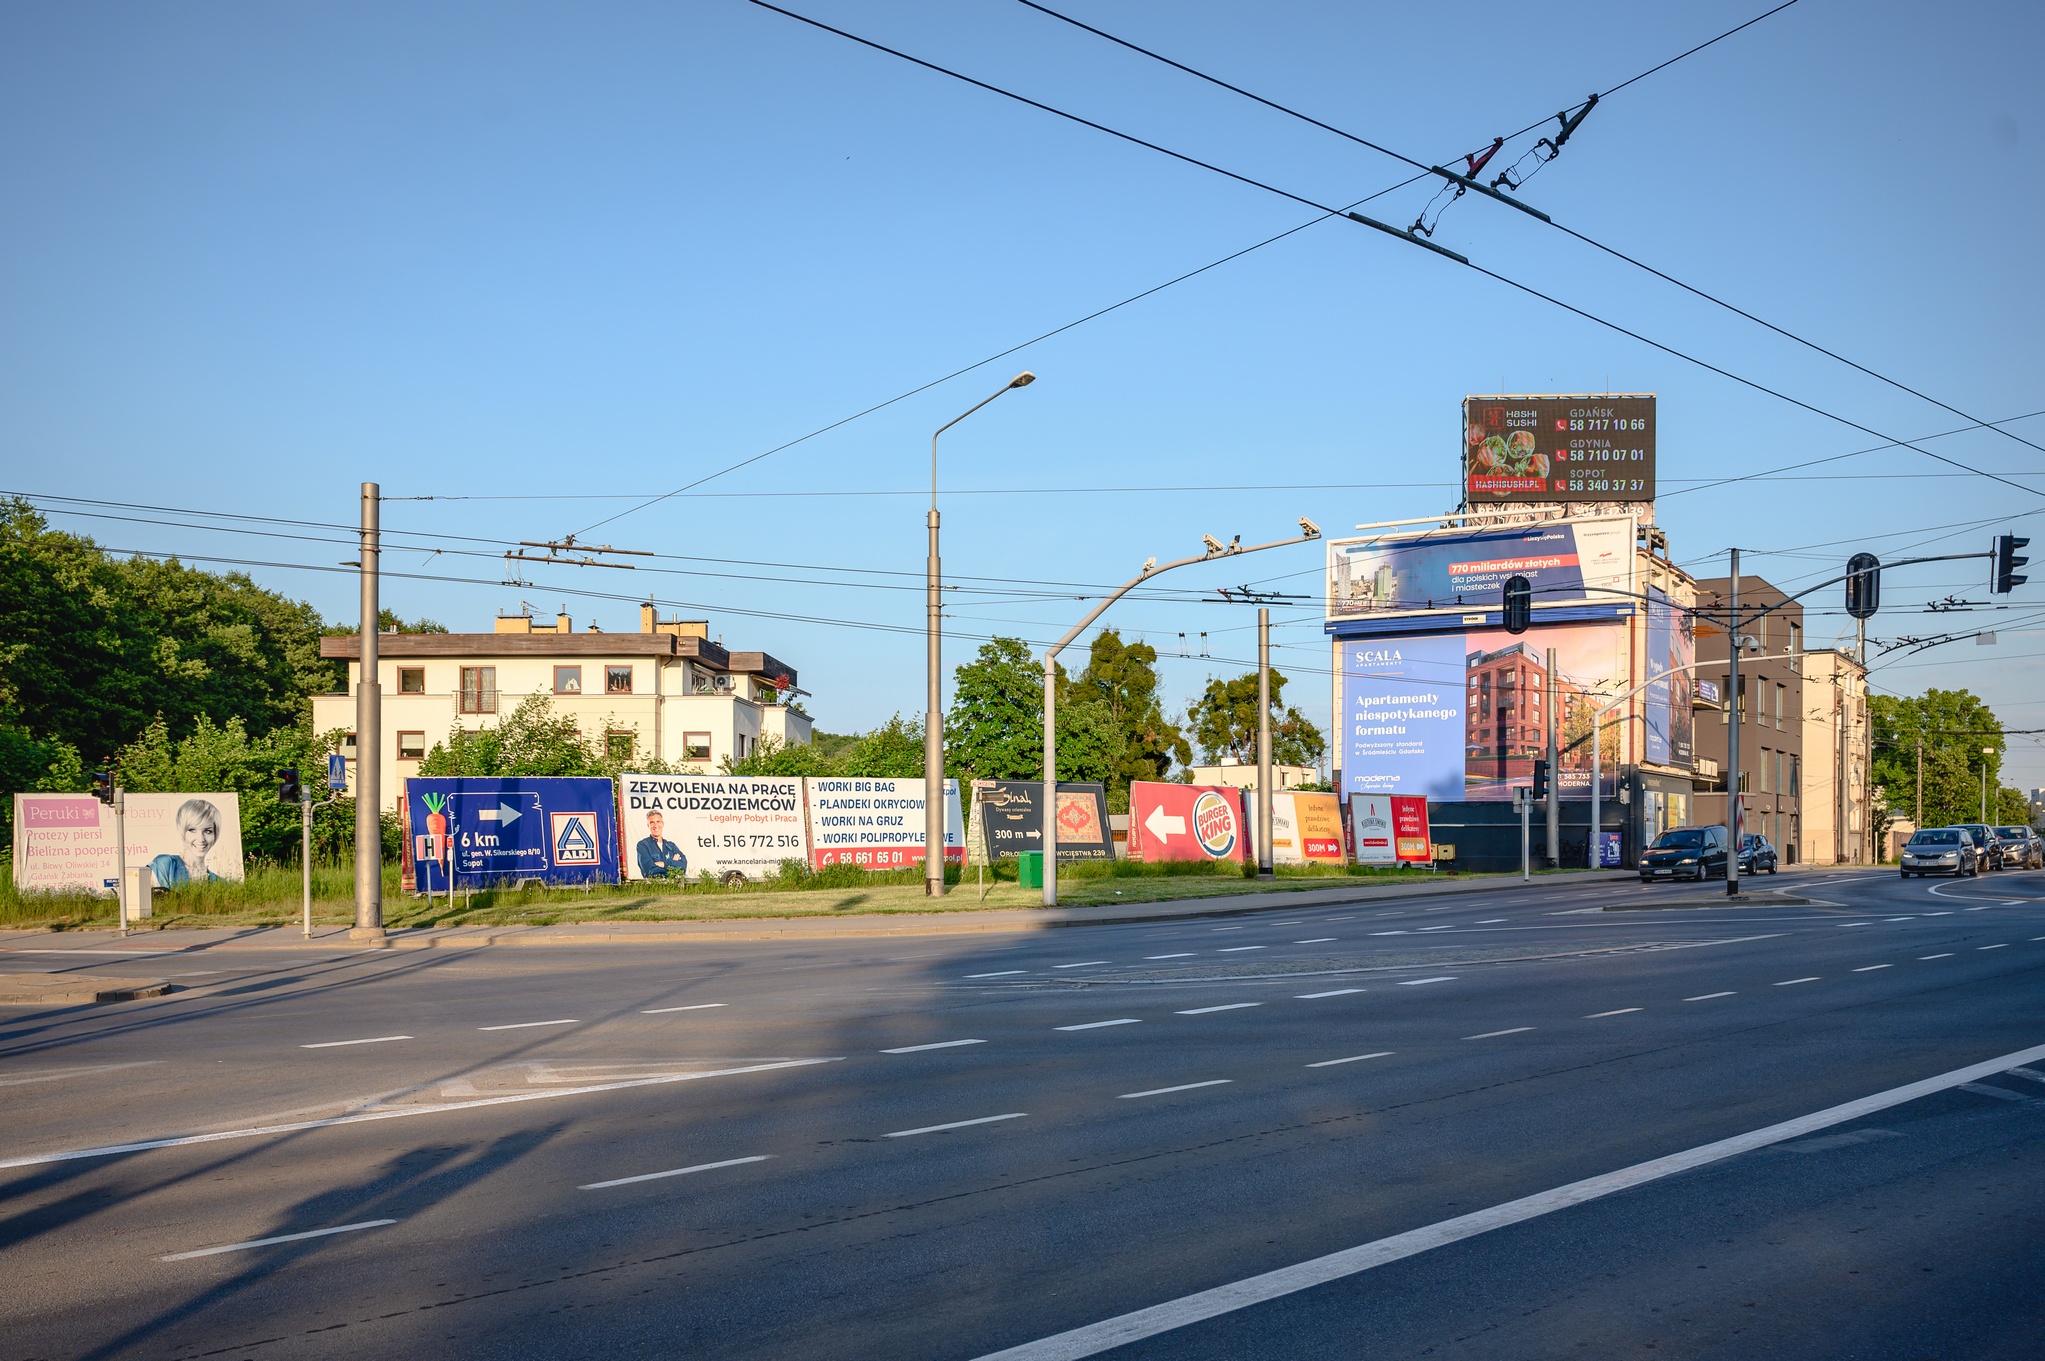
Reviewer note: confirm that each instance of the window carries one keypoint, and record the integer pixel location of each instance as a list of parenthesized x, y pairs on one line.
[(1781, 703), (617, 680), (567, 680), (348, 745), (1725, 694), (741, 746), (1780, 787), (411, 680), (1796, 645), (695, 746), (1763, 768), (411, 746), (1796, 774), (618, 746), (479, 690)]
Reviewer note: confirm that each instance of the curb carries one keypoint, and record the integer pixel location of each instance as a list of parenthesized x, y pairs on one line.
[(37, 990)]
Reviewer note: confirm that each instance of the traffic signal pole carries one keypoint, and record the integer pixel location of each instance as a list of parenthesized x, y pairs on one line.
[(1735, 704), (1554, 773)]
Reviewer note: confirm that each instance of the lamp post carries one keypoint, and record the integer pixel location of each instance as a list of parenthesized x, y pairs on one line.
[(933, 714)]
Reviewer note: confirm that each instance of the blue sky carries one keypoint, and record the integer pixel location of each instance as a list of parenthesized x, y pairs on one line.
[(257, 254)]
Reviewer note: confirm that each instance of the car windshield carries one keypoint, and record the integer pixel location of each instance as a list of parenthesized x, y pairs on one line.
[(1941, 838), (1687, 838), (1749, 842), (2013, 833)]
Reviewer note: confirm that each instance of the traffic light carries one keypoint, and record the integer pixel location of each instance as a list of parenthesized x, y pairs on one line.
[(288, 788), (2006, 579), (103, 786), (1540, 778), (1863, 585), (1519, 604)]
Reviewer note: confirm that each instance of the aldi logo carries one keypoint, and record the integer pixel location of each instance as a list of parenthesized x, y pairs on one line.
[(575, 839)]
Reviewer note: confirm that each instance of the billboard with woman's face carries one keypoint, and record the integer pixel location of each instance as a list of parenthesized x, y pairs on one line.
[(66, 841)]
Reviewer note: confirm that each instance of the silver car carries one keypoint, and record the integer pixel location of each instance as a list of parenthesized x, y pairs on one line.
[(1941, 850)]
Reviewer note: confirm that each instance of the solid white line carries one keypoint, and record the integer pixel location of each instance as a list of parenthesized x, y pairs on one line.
[(1947, 955), (1231, 949), (1353, 1058), (1182, 1087), (674, 1172), (528, 1025), (1992, 947), (1183, 954), (941, 1044), (1338, 992), (1789, 982), (394, 1113), (1227, 1006), (694, 1006), (1600, 1015), (956, 1124), (998, 973), (1083, 964), (1108, 1334), (280, 1238), (1870, 968), (1317, 940), (1416, 982), (1494, 1034), (1096, 1025), (1707, 996), (336, 1044)]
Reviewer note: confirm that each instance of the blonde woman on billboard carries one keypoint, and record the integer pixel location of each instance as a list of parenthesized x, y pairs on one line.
[(198, 830)]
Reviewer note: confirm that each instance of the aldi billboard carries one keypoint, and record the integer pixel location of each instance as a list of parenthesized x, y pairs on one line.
[(472, 832)]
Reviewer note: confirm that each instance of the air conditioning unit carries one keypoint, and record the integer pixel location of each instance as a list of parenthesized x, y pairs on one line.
[(722, 682)]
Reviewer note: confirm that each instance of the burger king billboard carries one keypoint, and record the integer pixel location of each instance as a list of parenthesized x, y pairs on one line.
[(1187, 822)]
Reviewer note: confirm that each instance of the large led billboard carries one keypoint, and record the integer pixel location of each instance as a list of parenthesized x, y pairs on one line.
[(1537, 449), (1427, 579)]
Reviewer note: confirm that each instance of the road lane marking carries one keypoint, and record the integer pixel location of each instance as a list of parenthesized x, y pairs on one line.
[(955, 1124), (528, 1025), (280, 1238), (58, 1075), (1947, 955), (1082, 964), (1353, 1058), (1938, 914), (1388, 933), (1792, 982), (1707, 996), (1095, 1338), (2031, 1073), (337, 1044), (1435, 928), (941, 1044), (1338, 992), (1182, 1087), (1317, 940), (1856, 923), (694, 1006), (1293, 921), (1986, 1089), (1341, 919), (674, 1172), (1096, 1025), (1600, 1015), (1982, 908), (1491, 921), (1225, 928), (395, 1113), (1992, 947), (1183, 954), (1227, 1006), (1899, 919), (1231, 949), (998, 973), (1870, 968), (1494, 1034), (1416, 982)]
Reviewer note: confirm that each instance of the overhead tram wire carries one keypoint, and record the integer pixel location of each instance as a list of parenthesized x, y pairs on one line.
[(1491, 274)]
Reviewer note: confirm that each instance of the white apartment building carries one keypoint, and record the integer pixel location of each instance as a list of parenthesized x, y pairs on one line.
[(666, 692), (1837, 818)]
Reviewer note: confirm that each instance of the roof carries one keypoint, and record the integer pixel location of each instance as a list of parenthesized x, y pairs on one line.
[(482, 646)]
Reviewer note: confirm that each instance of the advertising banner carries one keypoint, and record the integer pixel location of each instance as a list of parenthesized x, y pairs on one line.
[(475, 831), (711, 826), (66, 841), (1186, 822), (1411, 841), (1558, 448), (1306, 829), (1007, 821), (1396, 583), (877, 824), (1370, 821)]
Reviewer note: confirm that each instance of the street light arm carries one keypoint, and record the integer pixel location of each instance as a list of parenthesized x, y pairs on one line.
[(1147, 573)]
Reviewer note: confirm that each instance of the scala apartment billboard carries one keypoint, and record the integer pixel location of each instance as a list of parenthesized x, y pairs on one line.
[(1544, 449), (1008, 820), (66, 841), (1419, 580), (472, 832), (1187, 822), (711, 826), (877, 824)]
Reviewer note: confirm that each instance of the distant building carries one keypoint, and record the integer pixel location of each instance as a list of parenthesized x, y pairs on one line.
[(1243, 775), (1771, 706), (1834, 802), (666, 692)]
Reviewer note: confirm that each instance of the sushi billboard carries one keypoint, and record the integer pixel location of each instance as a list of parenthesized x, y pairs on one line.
[(465, 832), (1545, 449)]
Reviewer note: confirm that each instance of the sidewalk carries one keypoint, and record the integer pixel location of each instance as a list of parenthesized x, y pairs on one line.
[(1006, 921)]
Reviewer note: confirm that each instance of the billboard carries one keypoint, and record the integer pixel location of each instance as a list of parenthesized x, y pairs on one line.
[(476, 831), (1390, 584), (710, 825), (66, 841), (1525, 449), (1390, 829), (1670, 730), (1008, 820), (1186, 822), (876, 824), (1460, 716), (1306, 829)]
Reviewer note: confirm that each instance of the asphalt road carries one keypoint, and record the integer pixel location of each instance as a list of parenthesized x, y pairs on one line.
[(1325, 1132)]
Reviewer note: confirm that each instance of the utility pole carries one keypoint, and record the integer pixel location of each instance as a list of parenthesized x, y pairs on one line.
[(1264, 870), (369, 739), (1919, 819), (1986, 752), (121, 858), (1845, 800), (1735, 702), (1554, 772)]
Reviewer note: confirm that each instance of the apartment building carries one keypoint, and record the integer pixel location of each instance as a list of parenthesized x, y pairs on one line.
[(1770, 701), (1835, 806)]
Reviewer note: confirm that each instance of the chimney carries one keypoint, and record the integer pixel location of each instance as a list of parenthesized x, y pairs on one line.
[(647, 619), (563, 624)]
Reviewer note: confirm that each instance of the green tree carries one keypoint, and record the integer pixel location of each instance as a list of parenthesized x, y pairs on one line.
[(1954, 726), (1224, 722), (223, 758), (771, 756), (1122, 678), (530, 740), (995, 730), (894, 750)]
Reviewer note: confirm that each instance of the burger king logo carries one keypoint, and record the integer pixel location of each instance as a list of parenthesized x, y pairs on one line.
[(1214, 824)]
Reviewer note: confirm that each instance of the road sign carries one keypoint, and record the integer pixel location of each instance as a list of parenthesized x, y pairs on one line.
[(337, 772)]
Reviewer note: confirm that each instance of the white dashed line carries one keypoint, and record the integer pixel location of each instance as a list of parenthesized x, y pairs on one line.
[(1600, 1015), (1493, 921), (998, 973), (1938, 914), (941, 1044), (1416, 982), (674, 1172), (1436, 928), (1231, 949), (1227, 1006), (1856, 923), (1870, 968), (2004, 945), (697, 1006), (956, 1124), (1182, 1087), (1082, 964), (1899, 919), (1388, 933), (1338, 992), (337, 1044), (1183, 954), (1494, 1034), (1947, 955), (1791, 982), (1225, 928), (1983, 908), (1353, 1058), (528, 1025), (1707, 996), (1096, 1025), (1317, 940), (280, 1238)]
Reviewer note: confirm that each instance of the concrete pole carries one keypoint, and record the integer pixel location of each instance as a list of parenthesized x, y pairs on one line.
[(1732, 741), (369, 739), (933, 709), (1049, 816), (1264, 870), (121, 858), (305, 852), (1554, 773)]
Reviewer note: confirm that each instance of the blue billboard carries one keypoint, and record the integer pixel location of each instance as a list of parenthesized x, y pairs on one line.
[(1421, 581), (475, 832), (1403, 720)]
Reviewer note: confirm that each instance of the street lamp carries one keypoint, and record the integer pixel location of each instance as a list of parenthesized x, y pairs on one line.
[(933, 714)]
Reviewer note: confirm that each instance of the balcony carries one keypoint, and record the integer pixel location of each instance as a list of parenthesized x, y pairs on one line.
[(475, 701)]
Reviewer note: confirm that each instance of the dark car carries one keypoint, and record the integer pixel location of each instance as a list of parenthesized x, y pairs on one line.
[(1685, 853), (1757, 855), (1985, 845), (2016, 847), (1941, 850)]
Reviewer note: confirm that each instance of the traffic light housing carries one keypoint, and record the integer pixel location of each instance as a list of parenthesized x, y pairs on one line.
[(103, 786), (1540, 778), (2006, 578), (1863, 585), (1519, 604), (288, 788)]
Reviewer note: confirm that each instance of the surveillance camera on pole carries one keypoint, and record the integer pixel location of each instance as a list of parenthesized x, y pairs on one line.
[(1214, 545), (1309, 528)]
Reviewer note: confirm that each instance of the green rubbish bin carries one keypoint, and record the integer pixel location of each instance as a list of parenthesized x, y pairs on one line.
[(1029, 869)]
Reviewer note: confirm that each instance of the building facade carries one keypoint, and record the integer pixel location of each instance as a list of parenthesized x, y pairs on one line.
[(666, 693), (1837, 819), (1770, 701)]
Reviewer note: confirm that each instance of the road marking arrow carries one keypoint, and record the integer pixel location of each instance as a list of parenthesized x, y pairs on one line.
[(1163, 827)]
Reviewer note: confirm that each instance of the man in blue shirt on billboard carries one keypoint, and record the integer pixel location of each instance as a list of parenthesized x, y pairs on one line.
[(659, 857)]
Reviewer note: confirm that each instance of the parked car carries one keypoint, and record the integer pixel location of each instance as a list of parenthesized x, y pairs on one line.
[(1757, 855), (2018, 847), (1941, 850), (1985, 845), (1685, 853)]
